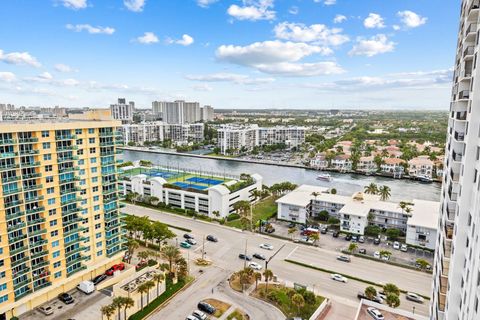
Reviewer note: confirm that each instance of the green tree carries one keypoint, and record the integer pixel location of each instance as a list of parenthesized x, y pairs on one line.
[(323, 215), (143, 288), (171, 254), (422, 263), (391, 288), (132, 245), (333, 221), (149, 285), (370, 292), (384, 193), (372, 188), (161, 232), (118, 303), (298, 301), (333, 191), (108, 311), (268, 275), (393, 300), (372, 231), (315, 237), (385, 253), (352, 247), (291, 231), (393, 234), (158, 278), (243, 210), (257, 276), (127, 304), (143, 255)]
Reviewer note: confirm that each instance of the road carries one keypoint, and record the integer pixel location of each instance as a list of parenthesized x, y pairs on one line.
[(224, 255)]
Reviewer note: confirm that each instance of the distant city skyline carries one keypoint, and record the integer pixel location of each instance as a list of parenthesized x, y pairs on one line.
[(250, 54)]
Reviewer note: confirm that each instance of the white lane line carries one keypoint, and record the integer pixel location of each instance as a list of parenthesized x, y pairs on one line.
[(291, 252)]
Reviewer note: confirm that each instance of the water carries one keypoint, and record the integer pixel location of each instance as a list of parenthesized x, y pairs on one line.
[(344, 183)]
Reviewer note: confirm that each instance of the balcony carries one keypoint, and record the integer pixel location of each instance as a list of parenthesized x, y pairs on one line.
[(8, 155), (39, 265), (76, 270), (22, 283), (469, 51), (67, 159), (36, 221), (74, 230), (33, 199), (17, 250), (459, 136), (10, 179), (37, 232), (20, 272), (71, 221), (70, 190), (464, 95), (19, 261), (31, 164), (66, 137), (27, 140), (38, 254), (10, 166), (73, 261), (4, 142), (12, 204), (16, 226), (29, 152), (41, 286), (472, 29), (73, 200), (12, 191), (35, 210), (451, 213), (66, 148), (71, 211), (23, 294), (31, 176), (38, 243), (33, 187), (76, 250), (454, 176)]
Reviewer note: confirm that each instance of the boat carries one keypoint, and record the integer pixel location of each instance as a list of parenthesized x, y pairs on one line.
[(324, 177), (424, 179)]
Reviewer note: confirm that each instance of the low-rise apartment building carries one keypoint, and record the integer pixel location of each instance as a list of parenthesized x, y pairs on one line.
[(420, 166), (179, 134)]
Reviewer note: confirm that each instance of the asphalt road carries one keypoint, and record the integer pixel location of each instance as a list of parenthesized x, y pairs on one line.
[(224, 255)]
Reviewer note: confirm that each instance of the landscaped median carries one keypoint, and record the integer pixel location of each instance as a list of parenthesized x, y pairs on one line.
[(345, 275), (170, 292)]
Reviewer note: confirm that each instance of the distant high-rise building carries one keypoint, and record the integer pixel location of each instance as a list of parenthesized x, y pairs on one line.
[(206, 113), (178, 111), (123, 111), (456, 285)]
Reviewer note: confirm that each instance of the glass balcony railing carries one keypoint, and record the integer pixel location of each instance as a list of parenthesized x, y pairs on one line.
[(37, 232), (4, 142), (40, 265), (76, 260), (33, 199), (74, 230), (38, 254), (41, 286), (33, 187), (68, 201), (10, 166), (27, 140), (31, 164), (10, 179), (35, 210), (12, 191), (14, 215), (17, 226), (8, 155), (18, 250), (66, 148), (33, 175), (22, 283), (12, 204), (72, 272), (29, 152), (36, 221), (23, 294), (19, 261), (37, 244), (70, 190), (66, 137)]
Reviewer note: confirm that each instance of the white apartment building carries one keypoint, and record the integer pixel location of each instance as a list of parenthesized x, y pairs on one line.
[(179, 111), (422, 225), (234, 137), (207, 113), (179, 134), (123, 111), (456, 289)]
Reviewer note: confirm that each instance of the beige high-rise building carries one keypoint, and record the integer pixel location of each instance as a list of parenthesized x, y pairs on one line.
[(59, 208)]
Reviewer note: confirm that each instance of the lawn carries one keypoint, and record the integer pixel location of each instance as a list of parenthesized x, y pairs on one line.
[(262, 210), (281, 297), (221, 306), (237, 315)]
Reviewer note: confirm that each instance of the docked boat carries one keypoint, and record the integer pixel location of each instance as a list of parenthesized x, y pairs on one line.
[(324, 177), (425, 179)]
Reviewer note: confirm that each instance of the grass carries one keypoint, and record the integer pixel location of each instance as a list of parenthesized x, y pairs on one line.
[(221, 306), (237, 314), (156, 208), (281, 297), (236, 285), (263, 210), (171, 290)]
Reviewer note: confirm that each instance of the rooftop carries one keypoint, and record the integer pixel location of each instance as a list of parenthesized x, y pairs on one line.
[(387, 312), (302, 195), (424, 214)]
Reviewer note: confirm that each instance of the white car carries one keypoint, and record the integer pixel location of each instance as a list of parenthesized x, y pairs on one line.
[(255, 266), (376, 254), (338, 277), (386, 257), (375, 313), (46, 309), (404, 248), (266, 246), (396, 245), (199, 315), (414, 297), (192, 241)]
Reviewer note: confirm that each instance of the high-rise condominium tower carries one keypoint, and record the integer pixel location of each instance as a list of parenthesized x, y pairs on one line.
[(456, 287)]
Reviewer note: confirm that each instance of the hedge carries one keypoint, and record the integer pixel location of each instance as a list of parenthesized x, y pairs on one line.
[(345, 275)]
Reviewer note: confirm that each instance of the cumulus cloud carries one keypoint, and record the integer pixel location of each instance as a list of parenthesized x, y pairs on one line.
[(90, 29), (7, 76), (252, 10), (60, 67), (202, 87), (134, 5), (19, 58), (339, 18), (185, 41), (205, 3), (326, 2), (74, 4), (411, 19), (147, 38), (293, 10), (229, 77), (374, 21), (318, 33), (370, 47)]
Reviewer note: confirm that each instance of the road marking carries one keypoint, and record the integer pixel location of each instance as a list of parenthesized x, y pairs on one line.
[(291, 252)]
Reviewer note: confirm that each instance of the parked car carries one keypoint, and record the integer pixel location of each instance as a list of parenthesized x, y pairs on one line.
[(375, 313), (199, 315), (206, 307), (376, 254), (185, 244), (141, 264), (324, 230), (354, 238), (396, 245), (99, 278), (191, 318), (255, 266), (338, 277), (86, 287), (115, 267), (244, 257), (335, 234), (404, 248), (376, 241), (413, 297), (348, 237), (362, 251), (66, 298), (192, 241), (292, 225), (266, 246), (212, 238), (259, 256), (188, 236), (307, 240), (385, 257), (361, 295), (46, 309), (343, 258), (361, 239)]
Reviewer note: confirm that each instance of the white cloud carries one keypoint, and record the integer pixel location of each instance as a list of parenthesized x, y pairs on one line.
[(339, 18), (253, 10), (90, 29), (7, 76), (19, 58), (185, 41), (293, 10), (326, 2), (60, 67), (45, 76), (318, 33), (202, 87), (205, 3), (148, 38), (411, 19), (370, 47), (302, 69), (75, 4), (396, 27), (229, 77), (134, 5), (70, 82), (374, 21)]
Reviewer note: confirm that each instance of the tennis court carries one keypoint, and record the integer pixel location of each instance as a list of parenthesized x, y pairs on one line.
[(184, 185), (205, 180), (163, 174)]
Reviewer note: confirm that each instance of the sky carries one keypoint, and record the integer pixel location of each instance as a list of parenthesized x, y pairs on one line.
[(238, 54)]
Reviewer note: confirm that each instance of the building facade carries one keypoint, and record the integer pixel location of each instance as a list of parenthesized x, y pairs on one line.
[(207, 113), (122, 110), (178, 112), (59, 206), (179, 134), (456, 290)]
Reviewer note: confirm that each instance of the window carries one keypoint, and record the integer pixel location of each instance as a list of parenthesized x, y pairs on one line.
[(82, 172), (96, 198), (55, 243), (98, 226), (53, 223), (52, 212), (45, 134), (94, 170), (49, 179), (99, 253), (3, 286), (51, 201), (56, 254), (98, 244), (46, 145), (96, 208), (95, 189), (58, 274), (92, 150), (78, 131), (91, 140), (80, 152), (79, 142), (50, 190), (97, 217), (94, 179), (4, 298), (57, 264), (81, 162), (91, 130), (47, 157), (54, 233), (49, 168), (2, 274), (98, 235), (93, 160)]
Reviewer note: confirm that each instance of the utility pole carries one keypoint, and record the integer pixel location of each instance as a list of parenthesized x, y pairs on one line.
[(203, 248), (268, 260), (245, 260)]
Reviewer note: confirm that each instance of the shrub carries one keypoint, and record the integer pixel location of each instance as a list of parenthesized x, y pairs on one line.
[(233, 216), (151, 262)]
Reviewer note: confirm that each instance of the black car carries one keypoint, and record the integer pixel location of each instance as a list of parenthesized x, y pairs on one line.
[(335, 234), (212, 238), (362, 251), (66, 298), (259, 256), (292, 225), (376, 241), (188, 236), (348, 237), (206, 307), (99, 278), (244, 257)]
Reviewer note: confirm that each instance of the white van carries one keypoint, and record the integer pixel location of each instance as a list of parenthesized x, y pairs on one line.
[(86, 287)]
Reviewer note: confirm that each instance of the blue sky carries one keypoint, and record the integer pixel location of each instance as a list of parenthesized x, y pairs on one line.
[(312, 54)]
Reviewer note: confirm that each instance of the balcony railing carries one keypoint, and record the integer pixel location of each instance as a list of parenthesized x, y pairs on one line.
[(4, 142), (459, 136), (18, 225), (66, 137), (33, 187), (470, 50), (31, 175), (36, 221), (39, 254), (35, 210), (28, 140), (10, 179), (472, 28), (461, 115), (8, 155), (12, 191), (463, 95), (29, 152), (10, 166), (12, 203), (30, 164)]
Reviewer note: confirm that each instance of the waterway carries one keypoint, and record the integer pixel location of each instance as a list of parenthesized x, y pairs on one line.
[(344, 183)]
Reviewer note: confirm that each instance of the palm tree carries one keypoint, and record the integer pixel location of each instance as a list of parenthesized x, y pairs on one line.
[(143, 255), (127, 304), (315, 194), (158, 277), (171, 254), (142, 289), (149, 285), (315, 236), (131, 246), (352, 247), (384, 193), (258, 277), (298, 301), (370, 292), (291, 231), (108, 311), (243, 210), (391, 288), (268, 274), (393, 300), (118, 303), (371, 188)]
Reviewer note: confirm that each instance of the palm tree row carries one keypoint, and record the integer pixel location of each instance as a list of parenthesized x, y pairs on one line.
[(383, 191), (116, 306)]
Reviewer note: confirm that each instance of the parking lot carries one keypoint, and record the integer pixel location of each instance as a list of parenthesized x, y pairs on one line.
[(327, 241)]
